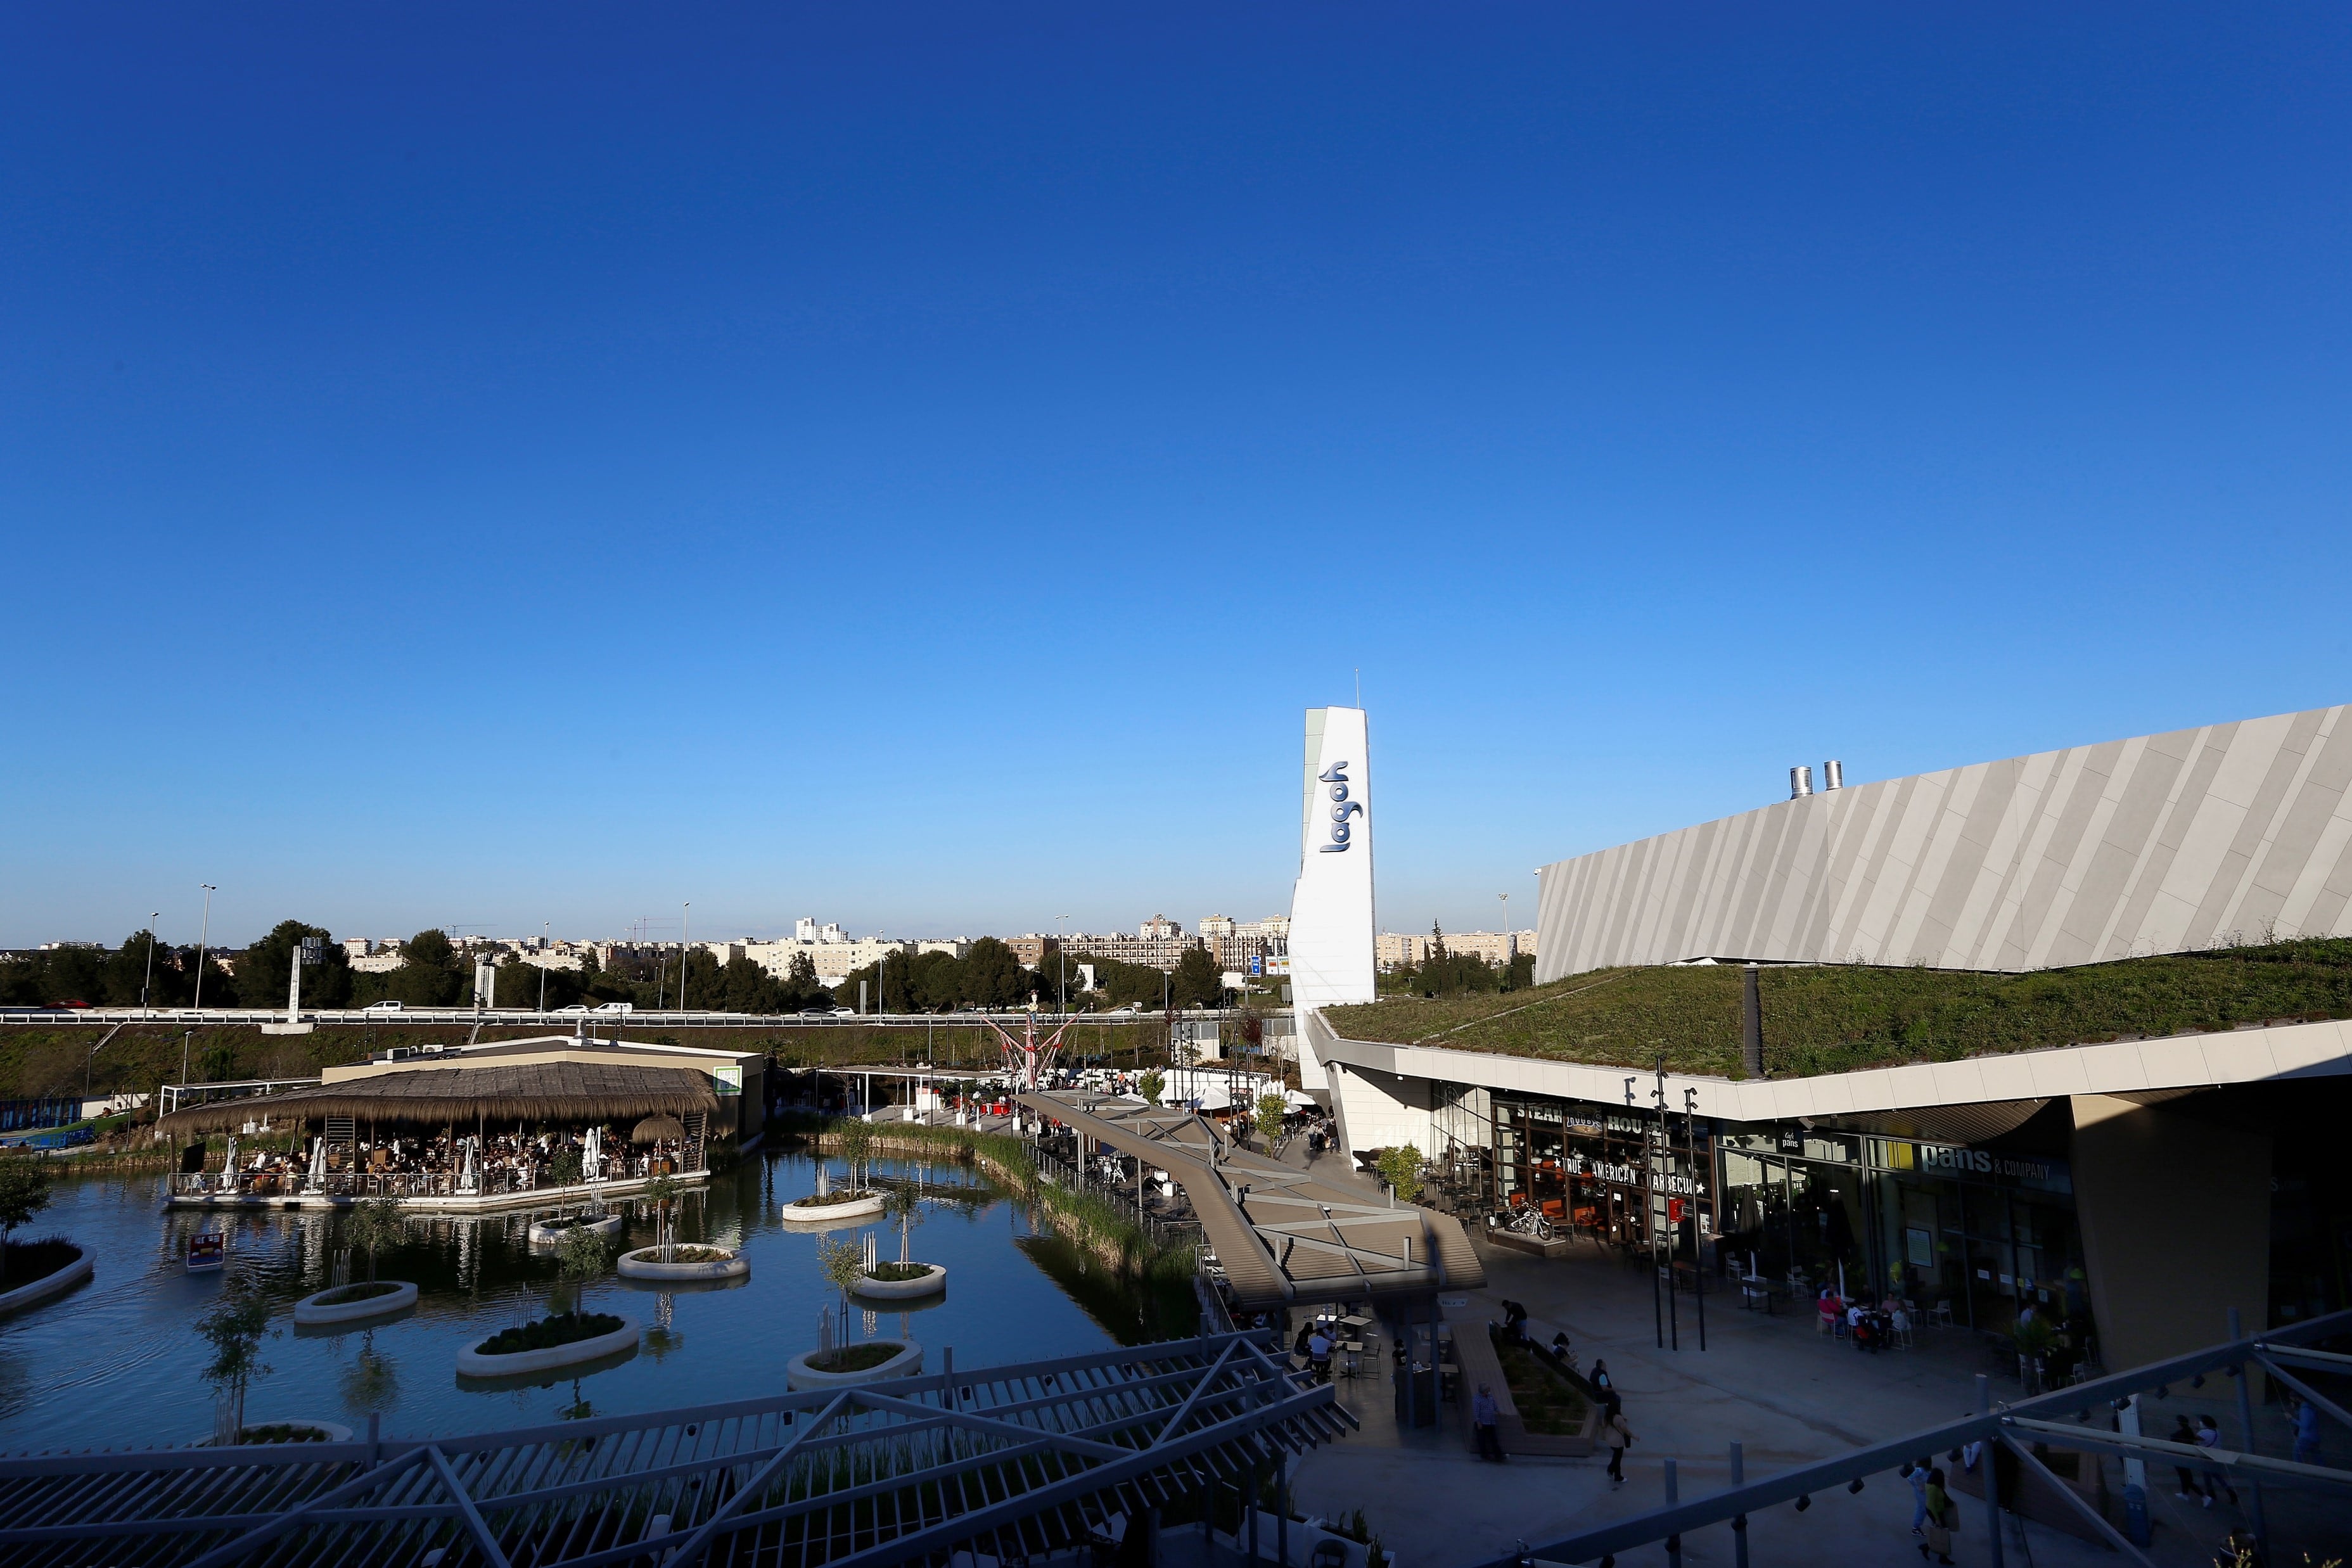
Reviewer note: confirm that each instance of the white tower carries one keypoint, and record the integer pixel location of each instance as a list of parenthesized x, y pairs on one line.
[(1331, 907)]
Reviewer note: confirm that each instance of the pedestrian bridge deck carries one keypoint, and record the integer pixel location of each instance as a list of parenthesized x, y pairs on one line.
[(1281, 1236)]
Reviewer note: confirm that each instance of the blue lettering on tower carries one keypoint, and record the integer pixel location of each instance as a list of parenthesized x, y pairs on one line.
[(1342, 808)]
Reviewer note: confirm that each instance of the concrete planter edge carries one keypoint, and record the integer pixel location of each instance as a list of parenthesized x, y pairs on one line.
[(310, 1310), (48, 1285), (645, 1263), (473, 1364), (907, 1363)]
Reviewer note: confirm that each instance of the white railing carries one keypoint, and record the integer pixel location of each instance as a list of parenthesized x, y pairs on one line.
[(494, 1182)]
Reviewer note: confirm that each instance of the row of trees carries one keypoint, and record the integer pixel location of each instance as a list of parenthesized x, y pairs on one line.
[(1444, 973), (436, 973)]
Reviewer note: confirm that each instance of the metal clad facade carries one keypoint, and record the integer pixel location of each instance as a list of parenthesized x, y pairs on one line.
[(2161, 844)]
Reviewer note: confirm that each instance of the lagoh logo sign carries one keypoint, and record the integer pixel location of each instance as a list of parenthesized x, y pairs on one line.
[(1342, 808)]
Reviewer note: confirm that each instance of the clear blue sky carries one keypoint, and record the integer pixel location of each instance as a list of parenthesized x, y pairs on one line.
[(479, 464)]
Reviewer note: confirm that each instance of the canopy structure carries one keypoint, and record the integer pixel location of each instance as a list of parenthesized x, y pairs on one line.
[(545, 1092), (654, 1129)]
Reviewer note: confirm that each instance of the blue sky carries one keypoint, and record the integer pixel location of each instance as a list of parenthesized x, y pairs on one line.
[(479, 464)]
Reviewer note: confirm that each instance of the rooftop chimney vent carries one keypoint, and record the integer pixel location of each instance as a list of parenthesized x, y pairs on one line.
[(1832, 775), (1800, 782)]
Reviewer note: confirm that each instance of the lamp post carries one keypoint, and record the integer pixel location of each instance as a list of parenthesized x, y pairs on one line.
[(202, 936), (1505, 950), (685, 942), (148, 978), (1698, 1247), (1062, 964), (1658, 1314), (1674, 1236), (544, 927)]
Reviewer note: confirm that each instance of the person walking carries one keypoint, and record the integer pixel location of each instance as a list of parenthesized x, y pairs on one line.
[(2208, 1437), (1485, 1416), (1941, 1517), (1620, 1438), (2306, 1432), (1915, 1472), (1600, 1378), (2190, 1485)]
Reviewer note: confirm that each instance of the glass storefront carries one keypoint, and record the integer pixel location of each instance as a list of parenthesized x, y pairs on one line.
[(1980, 1231)]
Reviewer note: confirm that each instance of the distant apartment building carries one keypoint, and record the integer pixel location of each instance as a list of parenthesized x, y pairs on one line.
[(1234, 944), (1406, 949), (372, 955)]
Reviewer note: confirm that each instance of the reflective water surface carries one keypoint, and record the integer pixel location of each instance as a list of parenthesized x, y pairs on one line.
[(117, 1363)]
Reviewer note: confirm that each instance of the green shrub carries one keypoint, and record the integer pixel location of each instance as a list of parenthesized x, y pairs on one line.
[(546, 1333)]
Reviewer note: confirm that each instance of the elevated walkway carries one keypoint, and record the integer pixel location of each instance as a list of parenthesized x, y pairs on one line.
[(1282, 1237)]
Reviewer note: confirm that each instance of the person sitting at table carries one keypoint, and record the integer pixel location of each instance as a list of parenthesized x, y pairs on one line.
[(1319, 1353), (1830, 1308)]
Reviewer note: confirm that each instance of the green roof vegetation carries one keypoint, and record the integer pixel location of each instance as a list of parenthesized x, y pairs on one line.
[(1839, 1018)]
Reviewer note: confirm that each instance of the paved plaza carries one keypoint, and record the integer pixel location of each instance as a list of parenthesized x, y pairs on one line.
[(1773, 1384)]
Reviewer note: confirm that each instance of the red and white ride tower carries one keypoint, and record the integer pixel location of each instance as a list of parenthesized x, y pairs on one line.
[(1027, 1061)]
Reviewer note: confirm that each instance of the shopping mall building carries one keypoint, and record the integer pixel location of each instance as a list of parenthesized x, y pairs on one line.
[(2143, 1187)]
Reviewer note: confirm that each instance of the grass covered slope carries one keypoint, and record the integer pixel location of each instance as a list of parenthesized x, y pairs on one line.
[(1837, 1018)]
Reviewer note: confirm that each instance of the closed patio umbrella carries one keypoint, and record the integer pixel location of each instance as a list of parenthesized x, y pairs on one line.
[(654, 1129)]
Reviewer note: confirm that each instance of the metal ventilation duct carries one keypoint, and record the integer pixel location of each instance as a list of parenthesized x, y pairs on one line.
[(1800, 782), (1832, 774)]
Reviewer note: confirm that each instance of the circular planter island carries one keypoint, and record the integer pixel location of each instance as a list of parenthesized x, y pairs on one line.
[(548, 1232), (691, 1262), (54, 1282), (871, 1362), (295, 1432), (481, 1361), (348, 1303), (897, 1281), (838, 1208)]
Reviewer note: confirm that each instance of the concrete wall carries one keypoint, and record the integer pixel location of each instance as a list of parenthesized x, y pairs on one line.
[(2161, 844), (2175, 1212), (1378, 1110)]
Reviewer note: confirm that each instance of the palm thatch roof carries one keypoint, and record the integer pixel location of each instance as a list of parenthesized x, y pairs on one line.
[(548, 1091)]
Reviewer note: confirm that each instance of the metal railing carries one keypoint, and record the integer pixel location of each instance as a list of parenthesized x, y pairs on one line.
[(493, 1181), (1070, 1176), (2051, 1420), (694, 1018), (1009, 1463)]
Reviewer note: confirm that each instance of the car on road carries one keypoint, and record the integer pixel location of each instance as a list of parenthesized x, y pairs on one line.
[(618, 1007), (844, 1012), (1130, 1007), (575, 1008), (383, 1006)]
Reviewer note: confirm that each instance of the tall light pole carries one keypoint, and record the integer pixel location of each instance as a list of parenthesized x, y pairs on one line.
[(1062, 962), (148, 978), (1504, 952), (202, 936), (685, 937), (544, 927)]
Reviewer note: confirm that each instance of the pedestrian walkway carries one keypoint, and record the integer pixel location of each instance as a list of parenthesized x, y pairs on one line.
[(1775, 1384)]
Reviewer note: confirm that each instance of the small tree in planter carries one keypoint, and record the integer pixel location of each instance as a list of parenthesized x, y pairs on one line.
[(843, 1264), (661, 1192), (856, 1146), (24, 1193), (581, 1256), (1401, 1169), (374, 1224), (372, 1383), (904, 1204), (1270, 1110), (234, 1329)]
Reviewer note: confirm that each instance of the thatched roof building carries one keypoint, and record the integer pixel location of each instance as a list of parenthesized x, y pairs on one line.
[(541, 1092)]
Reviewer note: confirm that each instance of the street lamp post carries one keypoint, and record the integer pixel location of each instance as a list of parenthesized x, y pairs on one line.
[(1505, 950), (202, 938), (1690, 1168), (544, 927), (1062, 964), (148, 978), (1674, 1236), (685, 941)]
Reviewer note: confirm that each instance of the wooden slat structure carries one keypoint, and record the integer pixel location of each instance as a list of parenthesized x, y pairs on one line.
[(1014, 1463), (1281, 1236), (541, 1091)]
